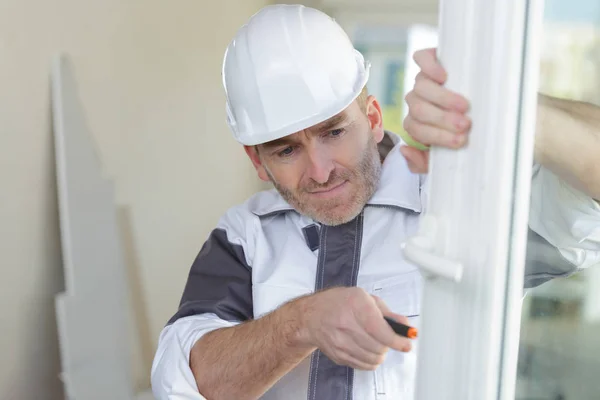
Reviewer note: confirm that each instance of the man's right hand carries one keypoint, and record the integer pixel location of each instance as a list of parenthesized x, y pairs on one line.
[(347, 325)]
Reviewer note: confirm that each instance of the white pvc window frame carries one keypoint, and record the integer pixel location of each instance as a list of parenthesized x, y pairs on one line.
[(472, 239)]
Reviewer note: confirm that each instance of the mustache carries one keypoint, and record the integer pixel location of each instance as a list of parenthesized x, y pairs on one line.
[(335, 178)]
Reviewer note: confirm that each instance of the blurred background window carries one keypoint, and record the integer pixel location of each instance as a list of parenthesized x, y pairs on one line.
[(559, 355)]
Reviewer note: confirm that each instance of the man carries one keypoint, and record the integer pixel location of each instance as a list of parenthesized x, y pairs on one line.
[(286, 299)]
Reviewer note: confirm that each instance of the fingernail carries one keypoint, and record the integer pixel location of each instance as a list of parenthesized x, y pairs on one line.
[(442, 75), (459, 140), (461, 105), (462, 124)]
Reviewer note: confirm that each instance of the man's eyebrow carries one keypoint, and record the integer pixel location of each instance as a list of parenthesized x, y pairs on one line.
[(330, 123), (322, 127), (277, 143)]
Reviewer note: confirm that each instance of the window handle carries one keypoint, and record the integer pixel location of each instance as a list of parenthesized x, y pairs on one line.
[(419, 251)]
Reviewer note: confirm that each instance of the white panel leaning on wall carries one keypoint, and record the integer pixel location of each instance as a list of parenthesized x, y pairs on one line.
[(93, 314)]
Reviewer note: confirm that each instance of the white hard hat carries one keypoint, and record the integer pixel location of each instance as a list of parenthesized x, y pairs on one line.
[(288, 68)]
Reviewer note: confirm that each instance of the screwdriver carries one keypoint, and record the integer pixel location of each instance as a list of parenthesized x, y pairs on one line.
[(401, 329)]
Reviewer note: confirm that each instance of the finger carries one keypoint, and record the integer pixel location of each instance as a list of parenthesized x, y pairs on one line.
[(422, 158), (386, 335), (403, 320), (440, 96), (429, 134), (385, 310), (427, 60), (352, 362), (346, 350), (433, 135), (356, 353), (380, 330), (425, 112), (398, 318), (405, 343), (381, 304), (418, 160), (366, 343), (415, 169), (407, 154), (421, 76)]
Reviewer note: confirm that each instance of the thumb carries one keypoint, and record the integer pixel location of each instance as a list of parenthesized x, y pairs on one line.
[(382, 306), (398, 318), (385, 310), (417, 160), (399, 343)]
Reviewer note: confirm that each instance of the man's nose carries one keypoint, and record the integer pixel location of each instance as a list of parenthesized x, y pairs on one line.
[(320, 165)]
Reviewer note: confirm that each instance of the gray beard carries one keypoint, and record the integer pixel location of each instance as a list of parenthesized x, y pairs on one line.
[(367, 175)]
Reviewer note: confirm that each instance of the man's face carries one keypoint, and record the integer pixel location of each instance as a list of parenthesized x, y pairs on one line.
[(329, 171)]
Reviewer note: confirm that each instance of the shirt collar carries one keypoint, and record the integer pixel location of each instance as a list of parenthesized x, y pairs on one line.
[(398, 186)]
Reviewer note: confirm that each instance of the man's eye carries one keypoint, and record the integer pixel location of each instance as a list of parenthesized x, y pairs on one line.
[(286, 152), (336, 132)]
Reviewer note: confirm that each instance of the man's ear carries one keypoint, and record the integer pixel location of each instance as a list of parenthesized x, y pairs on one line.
[(375, 117), (252, 152)]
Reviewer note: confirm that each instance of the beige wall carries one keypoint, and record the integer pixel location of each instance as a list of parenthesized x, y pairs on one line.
[(149, 77)]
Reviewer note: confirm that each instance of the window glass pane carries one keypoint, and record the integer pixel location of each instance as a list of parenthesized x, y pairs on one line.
[(389, 49), (559, 356)]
